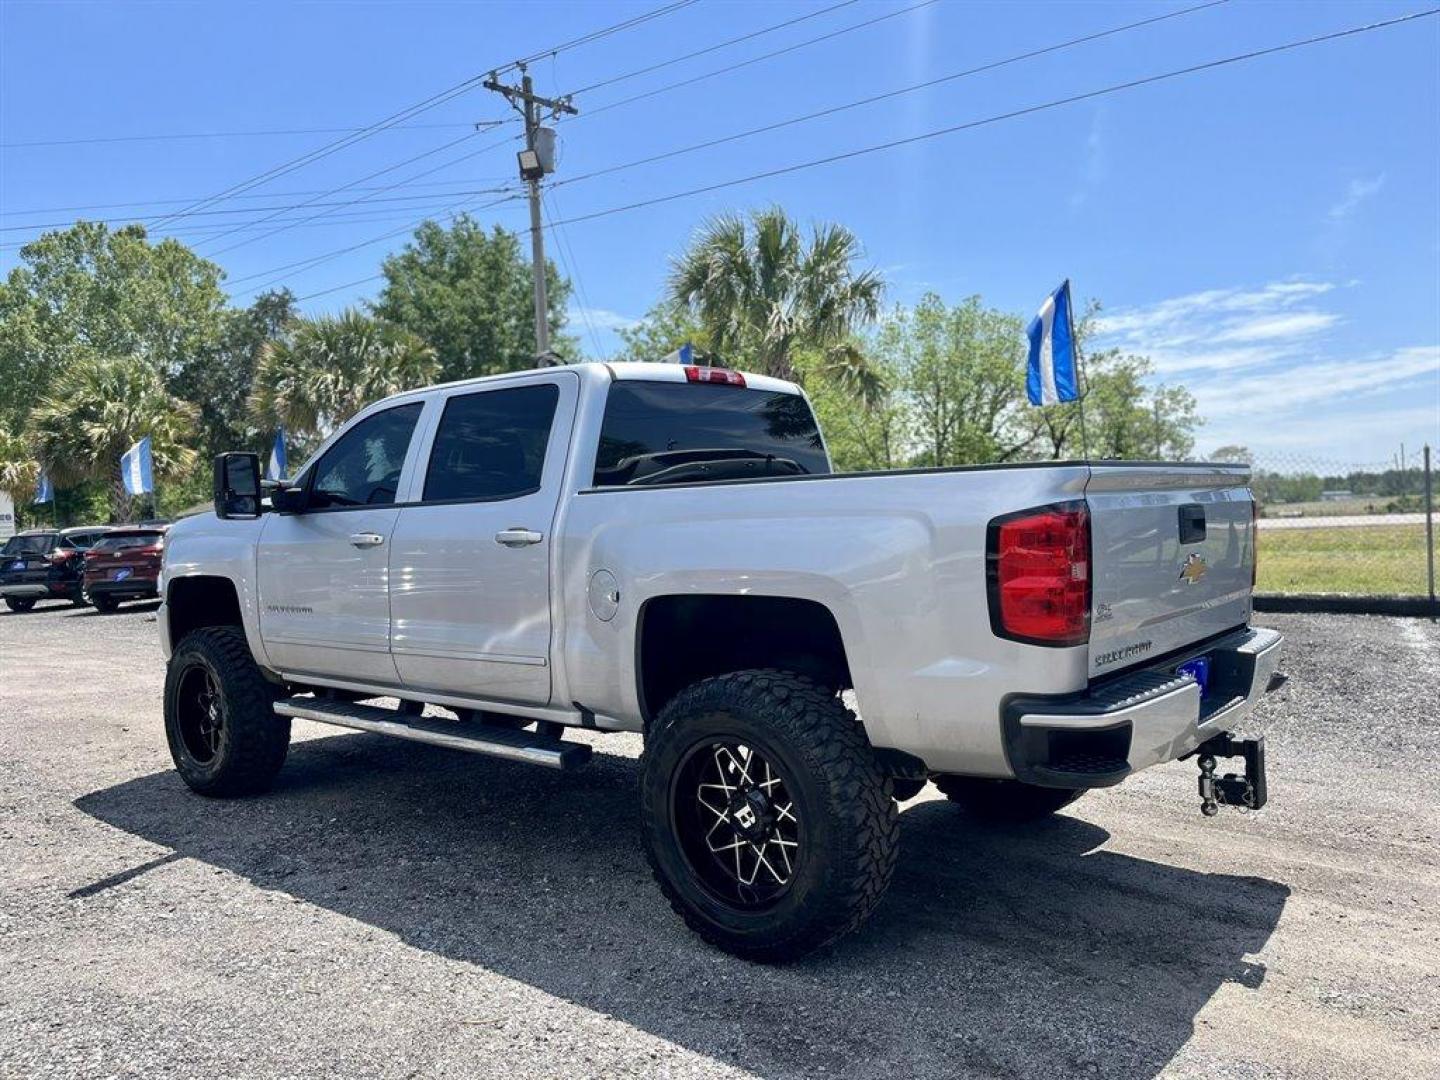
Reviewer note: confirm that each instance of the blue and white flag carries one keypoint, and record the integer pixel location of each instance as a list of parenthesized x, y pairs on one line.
[(683, 355), (1052, 375), (137, 470), (44, 492), (276, 468)]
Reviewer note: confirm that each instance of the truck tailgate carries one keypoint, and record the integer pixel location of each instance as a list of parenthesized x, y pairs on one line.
[(1172, 549)]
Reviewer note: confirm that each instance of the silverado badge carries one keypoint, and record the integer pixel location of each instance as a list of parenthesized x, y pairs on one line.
[(1194, 568)]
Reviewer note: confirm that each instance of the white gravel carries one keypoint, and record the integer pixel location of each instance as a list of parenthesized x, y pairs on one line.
[(392, 910)]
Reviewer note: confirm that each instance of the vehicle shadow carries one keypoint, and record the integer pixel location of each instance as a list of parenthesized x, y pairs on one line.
[(129, 608), (997, 951)]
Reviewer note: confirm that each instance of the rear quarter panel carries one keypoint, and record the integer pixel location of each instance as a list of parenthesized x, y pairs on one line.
[(898, 559)]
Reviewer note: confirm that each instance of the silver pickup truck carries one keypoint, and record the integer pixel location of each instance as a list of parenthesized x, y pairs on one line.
[(663, 549)]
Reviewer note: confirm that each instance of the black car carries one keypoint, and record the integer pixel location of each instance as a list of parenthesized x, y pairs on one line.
[(46, 564)]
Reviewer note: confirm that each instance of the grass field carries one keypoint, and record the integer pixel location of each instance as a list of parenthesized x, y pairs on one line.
[(1386, 560)]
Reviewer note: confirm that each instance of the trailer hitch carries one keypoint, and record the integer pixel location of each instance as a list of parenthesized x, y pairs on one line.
[(1246, 792)]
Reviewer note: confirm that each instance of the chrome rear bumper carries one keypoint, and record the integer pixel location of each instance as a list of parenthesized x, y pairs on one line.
[(1141, 718)]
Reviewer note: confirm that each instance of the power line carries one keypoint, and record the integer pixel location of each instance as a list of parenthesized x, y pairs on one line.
[(259, 209), (711, 48), (179, 136), (571, 264), (315, 260), (368, 198), (831, 111), (594, 35), (286, 167), (414, 110), (1013, 114), (758, 59), (256, 195), (346, 187), (202, 232)]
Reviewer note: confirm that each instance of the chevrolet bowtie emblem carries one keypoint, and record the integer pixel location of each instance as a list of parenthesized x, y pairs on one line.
[(1194, 568)]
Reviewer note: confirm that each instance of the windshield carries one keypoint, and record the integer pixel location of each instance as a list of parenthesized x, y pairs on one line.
[(659, 433), (127, 540), (29, 545)]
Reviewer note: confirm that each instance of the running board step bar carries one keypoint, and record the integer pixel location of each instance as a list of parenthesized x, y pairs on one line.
[(523, 746)]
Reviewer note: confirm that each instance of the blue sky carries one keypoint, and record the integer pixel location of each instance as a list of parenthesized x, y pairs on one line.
[(1269, 232)]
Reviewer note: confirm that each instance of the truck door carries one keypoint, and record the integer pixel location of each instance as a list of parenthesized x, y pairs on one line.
[(323, 573), (470, 562)]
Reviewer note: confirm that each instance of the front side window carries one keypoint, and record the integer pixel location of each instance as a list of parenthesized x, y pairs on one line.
[(491, 446), (363, 467), (673, 433)]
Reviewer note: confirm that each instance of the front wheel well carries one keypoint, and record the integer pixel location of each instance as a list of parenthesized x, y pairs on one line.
[(683, 639), (195, 602)]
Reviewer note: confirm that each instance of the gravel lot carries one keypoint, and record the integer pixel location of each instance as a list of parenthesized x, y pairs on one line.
[(395, 910)]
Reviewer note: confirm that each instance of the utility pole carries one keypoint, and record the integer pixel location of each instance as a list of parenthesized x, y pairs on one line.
[(537, 159)]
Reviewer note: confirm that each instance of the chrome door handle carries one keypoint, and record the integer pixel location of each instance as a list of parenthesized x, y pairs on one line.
[(518, 537), (363, 540)]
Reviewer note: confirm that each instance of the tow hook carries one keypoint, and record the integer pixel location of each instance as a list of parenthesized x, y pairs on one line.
[(1246, 792)]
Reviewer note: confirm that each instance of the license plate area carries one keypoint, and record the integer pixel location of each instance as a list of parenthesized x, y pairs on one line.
[(1199, 670), (123, 573)]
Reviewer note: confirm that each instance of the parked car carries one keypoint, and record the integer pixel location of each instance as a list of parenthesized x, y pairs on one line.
[(666, 550), (46, 564), (124, 565)]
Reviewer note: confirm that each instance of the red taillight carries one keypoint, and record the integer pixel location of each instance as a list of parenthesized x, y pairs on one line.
[(1039, 567), (61, 555), (723, 376)]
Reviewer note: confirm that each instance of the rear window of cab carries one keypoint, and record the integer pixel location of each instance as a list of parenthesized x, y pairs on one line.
[(658, 433)]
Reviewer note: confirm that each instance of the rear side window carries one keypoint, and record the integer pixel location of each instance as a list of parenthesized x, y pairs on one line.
[(675, 433), (363, 467), (491, 446)]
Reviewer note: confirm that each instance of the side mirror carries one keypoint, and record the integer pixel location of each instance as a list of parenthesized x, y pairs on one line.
[(287, 500), (237, 485)]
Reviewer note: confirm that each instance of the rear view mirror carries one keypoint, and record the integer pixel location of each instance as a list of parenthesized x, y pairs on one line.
[(237, 485)]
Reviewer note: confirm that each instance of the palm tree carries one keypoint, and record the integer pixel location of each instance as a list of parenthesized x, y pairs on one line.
[(760, 291), (328, 368), (18, 468), (99, 407)]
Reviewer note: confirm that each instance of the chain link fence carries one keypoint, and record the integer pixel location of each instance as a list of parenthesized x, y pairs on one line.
[(1339, 527)]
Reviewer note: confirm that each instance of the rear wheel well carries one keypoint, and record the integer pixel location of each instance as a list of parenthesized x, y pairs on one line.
[(194, 602), (683, 639)]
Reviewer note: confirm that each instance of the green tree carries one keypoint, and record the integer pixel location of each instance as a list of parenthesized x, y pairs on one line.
[(96, 410), (761, 291), (467, 293), (87, 292), (662, 330), (326, 369), (962, 371), (218, 381), (1125, 417)]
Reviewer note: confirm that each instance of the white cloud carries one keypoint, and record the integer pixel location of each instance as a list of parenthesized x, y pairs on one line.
[(1356, 192), (600, 318), (1266, 374), (1277, 327)]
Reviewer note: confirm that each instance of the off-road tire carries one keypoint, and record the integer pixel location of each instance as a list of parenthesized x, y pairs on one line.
[(20, 604), (844, 800), (253, 741), (105, 604), (1005, 801)]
